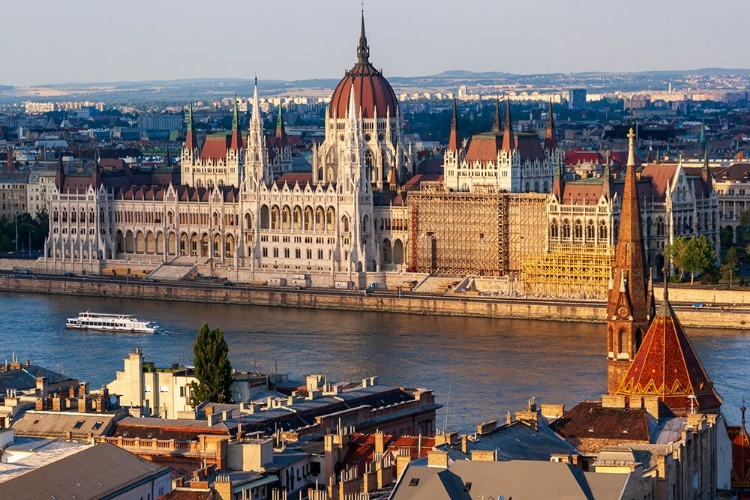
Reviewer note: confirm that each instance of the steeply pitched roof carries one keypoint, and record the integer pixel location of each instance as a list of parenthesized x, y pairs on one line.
[(92, 473), (667, 366)]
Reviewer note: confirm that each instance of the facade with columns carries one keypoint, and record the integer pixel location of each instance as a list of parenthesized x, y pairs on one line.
[(237, 205), (675, 201), (503, 159)]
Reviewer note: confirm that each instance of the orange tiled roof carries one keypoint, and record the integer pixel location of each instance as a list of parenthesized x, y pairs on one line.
[(667, 366)]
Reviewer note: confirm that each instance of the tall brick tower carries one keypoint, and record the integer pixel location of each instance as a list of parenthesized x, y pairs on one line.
[(627, 309)]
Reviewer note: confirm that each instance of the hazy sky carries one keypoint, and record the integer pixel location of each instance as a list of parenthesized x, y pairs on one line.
[(56, 41)]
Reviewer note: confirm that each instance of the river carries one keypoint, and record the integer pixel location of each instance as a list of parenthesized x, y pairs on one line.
[(479, 368)]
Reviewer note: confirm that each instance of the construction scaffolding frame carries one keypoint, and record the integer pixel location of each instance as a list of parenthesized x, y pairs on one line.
[(569, 270), (457, 233), (478, 233)]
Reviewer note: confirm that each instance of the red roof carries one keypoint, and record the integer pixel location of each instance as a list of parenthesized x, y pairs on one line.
[(667, 366), (362, 449), (740, 455), (576, 156), (485, 147)]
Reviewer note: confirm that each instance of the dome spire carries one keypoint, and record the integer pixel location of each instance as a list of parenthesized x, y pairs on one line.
[(363, 50)]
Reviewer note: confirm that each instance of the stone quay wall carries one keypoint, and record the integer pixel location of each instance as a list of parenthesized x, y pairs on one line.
[(520, 308)]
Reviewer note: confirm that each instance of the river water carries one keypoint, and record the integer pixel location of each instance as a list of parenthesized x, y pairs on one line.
[(479, 368)]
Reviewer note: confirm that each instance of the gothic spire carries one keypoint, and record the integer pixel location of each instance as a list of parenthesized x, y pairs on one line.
[(496, 126), (509, 141), (236, 136), (280, 130), (702, 141), (190, 140), (607, 178), (558, 184), (363, 50), (550, 137), (627, 310), (706, 170), (454, 142)]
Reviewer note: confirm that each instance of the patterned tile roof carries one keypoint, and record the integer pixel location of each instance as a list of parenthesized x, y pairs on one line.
[(667, 366)]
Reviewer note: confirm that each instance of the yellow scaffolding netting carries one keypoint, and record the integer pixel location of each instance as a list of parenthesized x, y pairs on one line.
[(569, 270)]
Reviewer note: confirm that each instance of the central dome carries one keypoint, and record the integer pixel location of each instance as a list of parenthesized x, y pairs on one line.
[(371, 90)]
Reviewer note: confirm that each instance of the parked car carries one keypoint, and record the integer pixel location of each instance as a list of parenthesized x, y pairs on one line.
[(24, 271), (228, 283), (68, 274), (699, 304)]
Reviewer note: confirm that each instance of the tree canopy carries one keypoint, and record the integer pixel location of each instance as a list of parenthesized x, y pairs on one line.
[(694, 255), (212, 368)]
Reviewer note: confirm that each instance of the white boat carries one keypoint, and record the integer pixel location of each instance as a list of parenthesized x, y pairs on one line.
[(110, 323)]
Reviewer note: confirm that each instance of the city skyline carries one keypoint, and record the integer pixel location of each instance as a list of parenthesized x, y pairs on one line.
[(94, 42)]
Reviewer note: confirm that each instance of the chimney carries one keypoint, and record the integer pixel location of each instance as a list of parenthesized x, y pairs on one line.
[(379, 442), (464, 443), (651, 405), (41, 387), (10, 159), (84, 388), (56, 403), (437, 458), (28, 363), (39, 404)]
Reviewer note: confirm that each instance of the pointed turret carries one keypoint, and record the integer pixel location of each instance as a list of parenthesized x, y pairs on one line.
[(191, 142), (236, 143), (454, 142), (668, 367), (280, 130), (558, 184), (627, 311), (706, 171), (607, 190), (60, 173), (509, 140), (363, 50), (496, 125), (550, 136), (96, 171), (650, 301), (702, 142)]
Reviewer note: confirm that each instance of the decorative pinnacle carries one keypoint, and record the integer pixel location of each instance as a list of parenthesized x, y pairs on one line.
[(363, 50)]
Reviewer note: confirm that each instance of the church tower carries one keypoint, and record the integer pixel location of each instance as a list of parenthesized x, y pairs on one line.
[(627, 310)]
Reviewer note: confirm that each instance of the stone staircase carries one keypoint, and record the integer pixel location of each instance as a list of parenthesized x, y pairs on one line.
[(438, 285), (173, 272)]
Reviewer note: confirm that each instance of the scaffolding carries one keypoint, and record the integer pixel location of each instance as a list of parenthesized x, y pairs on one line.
[(478, 233), (569, 270)]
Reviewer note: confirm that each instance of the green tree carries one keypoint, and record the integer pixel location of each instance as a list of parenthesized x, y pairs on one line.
[(744, 227), (674, 252), (731, 265), (212, 368), (698, 257)]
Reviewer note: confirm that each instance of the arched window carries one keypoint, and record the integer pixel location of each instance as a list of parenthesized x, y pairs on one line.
[(603, 231), (553, 229), (659, 227), (590, 230), (578, 229), (566, 228)]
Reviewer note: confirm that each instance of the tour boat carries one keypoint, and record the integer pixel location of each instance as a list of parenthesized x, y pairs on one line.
[(110, 323)]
